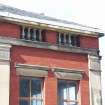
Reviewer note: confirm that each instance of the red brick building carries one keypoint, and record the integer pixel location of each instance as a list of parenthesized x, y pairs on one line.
[(47, 61)]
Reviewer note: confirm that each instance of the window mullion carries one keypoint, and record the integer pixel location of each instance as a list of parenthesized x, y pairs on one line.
[(67, 92)]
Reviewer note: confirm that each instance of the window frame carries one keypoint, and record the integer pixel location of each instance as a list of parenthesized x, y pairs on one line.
[(30, 98), (68, 100)]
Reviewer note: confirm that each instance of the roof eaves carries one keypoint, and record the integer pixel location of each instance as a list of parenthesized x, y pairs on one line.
[(12, 12)]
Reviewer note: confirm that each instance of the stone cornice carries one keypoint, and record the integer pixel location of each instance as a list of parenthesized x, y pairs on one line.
[(68, 70), (28, 66), (42, 71), (74, 74), (45, 45)]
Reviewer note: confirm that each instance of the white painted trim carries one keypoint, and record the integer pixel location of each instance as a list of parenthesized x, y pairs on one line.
[(4, 73), (31, 70), (23, 33), (94, 81)]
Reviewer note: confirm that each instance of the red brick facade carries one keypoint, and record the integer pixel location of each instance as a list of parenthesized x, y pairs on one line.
[(45, 57), (47, 61), (14, 31), (9, 30)]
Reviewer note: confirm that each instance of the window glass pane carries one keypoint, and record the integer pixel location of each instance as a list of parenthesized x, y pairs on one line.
[(23, 102), (39, 102), (65, 103), (66, 91), (62, 92), (73, 103), (36, 102), (24, 87), (72, 93), (36, 88)]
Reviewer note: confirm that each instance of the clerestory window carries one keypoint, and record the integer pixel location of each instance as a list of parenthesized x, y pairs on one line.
[(33, 34), (68, 39), (31, 91), (67, 92)]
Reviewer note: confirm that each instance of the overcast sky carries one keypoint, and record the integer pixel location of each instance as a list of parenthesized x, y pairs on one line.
[(88, 12)]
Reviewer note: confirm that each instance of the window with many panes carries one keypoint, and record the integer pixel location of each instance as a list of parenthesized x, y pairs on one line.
[(67, 92), (33, 34), (68, 39), (31, 91)]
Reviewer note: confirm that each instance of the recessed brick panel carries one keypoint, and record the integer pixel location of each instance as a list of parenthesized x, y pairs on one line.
[(9, 30), (51, 37), (89, 42)]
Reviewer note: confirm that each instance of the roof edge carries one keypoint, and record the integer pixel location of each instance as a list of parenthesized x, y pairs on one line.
[(14, 13)]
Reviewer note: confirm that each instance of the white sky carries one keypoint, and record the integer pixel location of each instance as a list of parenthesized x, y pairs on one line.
[(89, 12)]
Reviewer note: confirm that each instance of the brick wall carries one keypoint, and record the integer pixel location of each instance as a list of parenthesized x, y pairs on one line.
[(26, 55), (13, 30), (9, 30), (51, 37), (43, 57), (89, 42), (84, 90), (48, 58), (50, 93)]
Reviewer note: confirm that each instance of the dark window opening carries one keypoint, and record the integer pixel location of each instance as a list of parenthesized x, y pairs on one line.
[(26, 33), (73, 40), (33, 34), (62, 38), (68, 39), (37, 35), (31, 91), (78, 41)]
